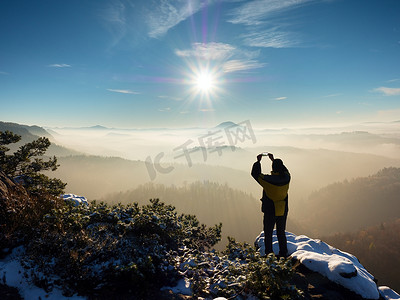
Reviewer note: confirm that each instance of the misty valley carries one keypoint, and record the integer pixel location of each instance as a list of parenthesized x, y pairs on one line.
[(344, 180)]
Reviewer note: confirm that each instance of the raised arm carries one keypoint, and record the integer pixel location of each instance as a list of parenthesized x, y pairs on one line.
[(256, 170), (271, 156)]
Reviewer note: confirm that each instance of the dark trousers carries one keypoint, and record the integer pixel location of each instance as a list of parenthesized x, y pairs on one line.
[(269, 223)]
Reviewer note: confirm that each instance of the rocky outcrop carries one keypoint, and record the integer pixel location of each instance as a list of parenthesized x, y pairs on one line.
[(13, 201), (317, 286), (325, 272), (9, 190)]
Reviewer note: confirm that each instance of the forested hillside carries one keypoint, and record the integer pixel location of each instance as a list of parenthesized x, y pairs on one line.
[(211, 202), (239, 212), (352, 205), (377, 248), (96, 176)]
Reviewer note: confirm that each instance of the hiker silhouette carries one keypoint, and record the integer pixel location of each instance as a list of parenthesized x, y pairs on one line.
[(274, 201)]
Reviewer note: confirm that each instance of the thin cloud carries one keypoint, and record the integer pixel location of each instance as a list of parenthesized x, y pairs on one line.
[(241, 65), (168, 14), (271, 38), (123, 91), (394, 80), (256, 12), (331, 95), (210, 51), (206, 109), (280, 98), (230, 58), (59, 66), (215, 51), (115, 20), (388, 91), (165, 109), (170, 98), (4, 73), (124, 19)]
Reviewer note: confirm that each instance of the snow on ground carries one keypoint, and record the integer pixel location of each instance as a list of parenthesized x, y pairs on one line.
[(13, 274), (74, 199), (183, 287), (388, 293), (338, 266)]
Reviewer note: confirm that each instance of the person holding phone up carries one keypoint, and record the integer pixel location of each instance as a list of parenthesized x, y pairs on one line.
[(274, 201)]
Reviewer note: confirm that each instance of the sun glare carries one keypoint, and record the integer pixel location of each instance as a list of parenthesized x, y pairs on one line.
[(205, 82)]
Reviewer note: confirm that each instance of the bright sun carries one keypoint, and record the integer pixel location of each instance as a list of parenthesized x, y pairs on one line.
[(205, 82)]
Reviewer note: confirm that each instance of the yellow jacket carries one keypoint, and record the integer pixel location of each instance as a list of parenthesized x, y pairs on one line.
[(275, 189)]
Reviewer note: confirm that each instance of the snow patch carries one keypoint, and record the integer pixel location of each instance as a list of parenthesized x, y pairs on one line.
[(340, 267), (15, 275), (388, 293), (74, 199), (183, 287)]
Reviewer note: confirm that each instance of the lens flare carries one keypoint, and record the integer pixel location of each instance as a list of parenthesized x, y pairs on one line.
[(205, 81)]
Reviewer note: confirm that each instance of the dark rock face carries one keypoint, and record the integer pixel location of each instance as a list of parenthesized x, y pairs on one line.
[(12, 198), (349, 275), (10, 293), (316, 286), (9, 189)]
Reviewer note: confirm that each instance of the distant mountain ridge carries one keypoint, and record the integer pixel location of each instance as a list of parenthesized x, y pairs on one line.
[(101, 127), (226, 124), (26, 131), (96, 127), (31, 133)]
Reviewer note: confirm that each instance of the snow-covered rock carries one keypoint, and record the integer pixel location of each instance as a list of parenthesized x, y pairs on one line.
[(75, 200), (388, 293), (338, 266)]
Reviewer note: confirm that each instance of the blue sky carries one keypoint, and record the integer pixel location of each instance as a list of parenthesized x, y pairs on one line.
[(137, 63)]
